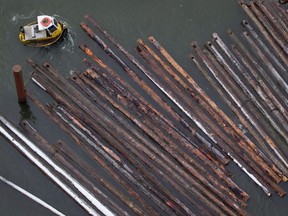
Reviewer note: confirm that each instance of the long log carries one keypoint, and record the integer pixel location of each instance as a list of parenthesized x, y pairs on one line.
[(216, 111), (272, 19), (266, 35), (231, 94), (33, 134), (176, 177), (265, 76), (70, 131), (90, 73), (152, 135), (149, 176), (42, 166), (85, 105), (232, 58), (252, 118), (119, 79), (136, 78), (282, 43)]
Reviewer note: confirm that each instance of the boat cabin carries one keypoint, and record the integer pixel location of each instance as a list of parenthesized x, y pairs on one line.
[(43, 28)]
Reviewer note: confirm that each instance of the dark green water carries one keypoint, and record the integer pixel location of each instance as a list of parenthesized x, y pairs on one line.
[(175, 23)]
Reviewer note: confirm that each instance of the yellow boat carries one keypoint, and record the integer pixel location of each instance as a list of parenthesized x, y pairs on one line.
[(46, 31)]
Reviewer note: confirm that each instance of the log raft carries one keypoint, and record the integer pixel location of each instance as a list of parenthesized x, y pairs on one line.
[(166, 153)]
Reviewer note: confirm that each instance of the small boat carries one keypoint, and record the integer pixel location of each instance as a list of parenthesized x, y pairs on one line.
[(46, 31)]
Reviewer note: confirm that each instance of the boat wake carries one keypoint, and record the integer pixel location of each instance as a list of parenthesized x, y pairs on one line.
[(16, 17), (68, 44)]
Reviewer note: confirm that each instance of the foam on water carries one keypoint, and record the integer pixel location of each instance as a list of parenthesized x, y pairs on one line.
[(16, 17)]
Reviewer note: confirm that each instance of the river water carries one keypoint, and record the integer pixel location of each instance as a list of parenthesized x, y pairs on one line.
[(175, 23)]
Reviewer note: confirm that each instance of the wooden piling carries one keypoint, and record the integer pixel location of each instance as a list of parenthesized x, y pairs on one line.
[(21, 92)]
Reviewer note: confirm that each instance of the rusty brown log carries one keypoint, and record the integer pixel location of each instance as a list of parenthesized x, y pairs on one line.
[(162, 137), (272, 19), (32, 133), (252, 118), (199, 154), (266, 35), (233, 155), (261, 71), (198, 185), (218, 173), (242, 85), (92, 155), (230, 130), (280, 41), (207, 99), (228, 90), (143, 140), (135, 77)]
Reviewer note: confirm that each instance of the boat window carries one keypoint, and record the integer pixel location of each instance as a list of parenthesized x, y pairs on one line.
[(55, 22), (52, 28)]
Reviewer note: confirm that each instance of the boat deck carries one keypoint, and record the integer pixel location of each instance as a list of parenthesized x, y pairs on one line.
[(32, 34)]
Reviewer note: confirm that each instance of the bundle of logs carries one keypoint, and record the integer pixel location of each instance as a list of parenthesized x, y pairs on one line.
[(161, 140)]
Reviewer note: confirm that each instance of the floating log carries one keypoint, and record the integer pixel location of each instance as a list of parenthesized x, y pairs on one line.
[(251, 96), (141, 83), (31, 196), (266, 35), (52, 149), (70, 131), (216, 110), (244, 110), (268, 27), (40, 164), (228, 90), (274, 72), (272, 19), (71, 108), (261, 72), (146, 130), (100, 62)]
